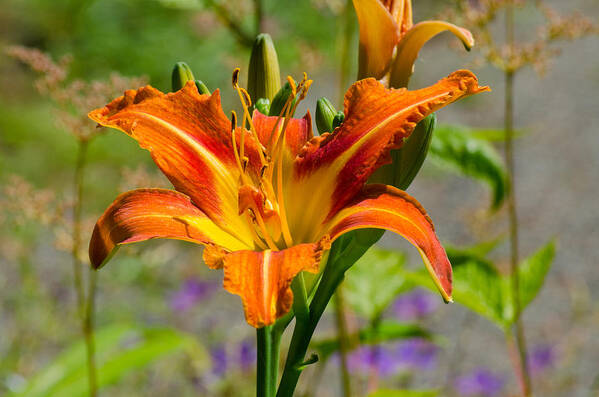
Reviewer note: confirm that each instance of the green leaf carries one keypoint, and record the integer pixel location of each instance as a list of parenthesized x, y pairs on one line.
[(533, 271), (404, 393), (455, 148), (383, 332), (120, 349), (480, 287), (374, 281)]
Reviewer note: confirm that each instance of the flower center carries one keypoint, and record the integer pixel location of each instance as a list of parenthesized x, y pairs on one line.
[(261, 197)]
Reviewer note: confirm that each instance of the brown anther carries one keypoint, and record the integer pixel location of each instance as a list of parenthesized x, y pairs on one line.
[(233, 120), (244, 162), (236, 77)]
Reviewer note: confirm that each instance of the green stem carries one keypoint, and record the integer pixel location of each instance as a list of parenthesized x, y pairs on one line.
[(513, 216), (268, 342), (342, 336), (85, 304)]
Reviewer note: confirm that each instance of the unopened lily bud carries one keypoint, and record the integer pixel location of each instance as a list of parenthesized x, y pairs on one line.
[(407, 161), (264, 77), (325, 114), (263, 106), (202, 89), (338, 119), (181, 75), (280, 99)]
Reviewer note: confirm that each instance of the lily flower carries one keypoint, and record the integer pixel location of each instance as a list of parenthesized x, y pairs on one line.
[(390, 42), (266, 202)]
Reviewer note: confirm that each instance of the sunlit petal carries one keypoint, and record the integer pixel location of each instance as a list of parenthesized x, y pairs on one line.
[(411, 43), (385, 207), (263, 279), (331, 170), (145, 214), (378, 36), (189, 138)]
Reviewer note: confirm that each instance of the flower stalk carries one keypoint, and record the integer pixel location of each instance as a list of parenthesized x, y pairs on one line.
[(85, 303), (520, 339)]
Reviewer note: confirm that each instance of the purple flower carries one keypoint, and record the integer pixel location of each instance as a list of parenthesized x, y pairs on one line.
[(367, 359), (247, 355), (417, 354), (191, 292), (414, 305), (480, 383), (219, 360), (540, 358)]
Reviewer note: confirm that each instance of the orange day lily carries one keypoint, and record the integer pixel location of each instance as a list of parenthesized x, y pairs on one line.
[(268, 201), (390, 42)]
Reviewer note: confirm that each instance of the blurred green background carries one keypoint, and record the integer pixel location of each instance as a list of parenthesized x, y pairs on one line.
[(557, 165)]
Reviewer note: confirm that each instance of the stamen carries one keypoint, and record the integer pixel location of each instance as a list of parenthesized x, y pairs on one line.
[(246, 101), (235, 151), (257, 239), (265, 234)]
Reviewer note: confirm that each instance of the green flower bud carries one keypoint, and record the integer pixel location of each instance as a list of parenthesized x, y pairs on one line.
[(181, 74), (407, 160), (325, 113), (264, 78), (202, 89), (338, 119), (278, 102), (263, 106)]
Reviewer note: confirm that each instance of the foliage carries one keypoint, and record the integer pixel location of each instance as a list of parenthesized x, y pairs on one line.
[(374, 282), (121, 350), (459, 149), (479, 286)]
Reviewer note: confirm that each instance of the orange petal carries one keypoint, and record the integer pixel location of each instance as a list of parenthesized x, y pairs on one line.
[(385, 207), (412, 42), (263, 279), (297, 132), (378, 36), (145, 214), (329, 172), (402, 13), (189, 138)]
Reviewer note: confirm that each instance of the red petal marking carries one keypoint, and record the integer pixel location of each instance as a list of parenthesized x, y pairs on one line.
[(189, 138), (263, 279), (333, 169), (145, 214), (297, 133), (385, 207)]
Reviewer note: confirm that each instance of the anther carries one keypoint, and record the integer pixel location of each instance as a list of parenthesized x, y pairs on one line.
[(236, 77)]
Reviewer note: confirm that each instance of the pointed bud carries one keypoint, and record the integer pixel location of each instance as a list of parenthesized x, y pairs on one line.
[(181, 74), (325, 114), (202, 89), (263, 106), (407, 161), (278, 102), (264, 78)]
